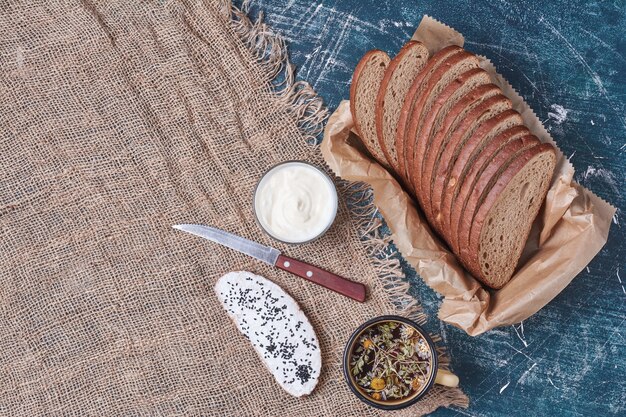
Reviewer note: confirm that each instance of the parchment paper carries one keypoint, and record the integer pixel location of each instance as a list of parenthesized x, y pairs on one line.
[(569, 231)]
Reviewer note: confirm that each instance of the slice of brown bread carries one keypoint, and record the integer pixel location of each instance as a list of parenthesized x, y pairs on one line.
[(398, 78), (407, 106), (452, 119), (434, 118), (440, 172), (363, 91), (472, 147), (453, 204), (447, 72), (502, 222)]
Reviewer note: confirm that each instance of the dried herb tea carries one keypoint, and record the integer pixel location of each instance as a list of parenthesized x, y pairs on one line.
[(391, 361)]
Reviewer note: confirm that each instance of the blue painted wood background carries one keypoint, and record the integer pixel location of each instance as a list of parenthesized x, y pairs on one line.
[(568, 59)]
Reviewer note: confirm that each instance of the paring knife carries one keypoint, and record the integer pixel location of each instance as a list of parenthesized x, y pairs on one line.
[(273, 257)]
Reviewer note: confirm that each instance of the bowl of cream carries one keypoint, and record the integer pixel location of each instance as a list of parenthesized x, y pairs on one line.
[(295, 202)]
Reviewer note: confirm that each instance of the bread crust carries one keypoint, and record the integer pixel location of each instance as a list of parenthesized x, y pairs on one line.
[(365, 60), (472, 225), (485, 182), (392, 157), (438, 138), (413, 139), (427, 133), (407, 107), (434, 181), (453, 205), (468, 152)]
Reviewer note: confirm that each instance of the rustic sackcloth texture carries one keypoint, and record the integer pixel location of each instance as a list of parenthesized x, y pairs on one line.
[(119, 119)]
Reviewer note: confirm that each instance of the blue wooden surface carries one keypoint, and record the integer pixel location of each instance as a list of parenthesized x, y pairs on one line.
[(568, 59)]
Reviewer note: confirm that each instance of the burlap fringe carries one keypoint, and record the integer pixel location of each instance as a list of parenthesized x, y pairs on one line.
[(309, 111), (272, 55)]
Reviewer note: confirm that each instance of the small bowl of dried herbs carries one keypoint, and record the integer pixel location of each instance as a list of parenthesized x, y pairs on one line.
[(390, 362)]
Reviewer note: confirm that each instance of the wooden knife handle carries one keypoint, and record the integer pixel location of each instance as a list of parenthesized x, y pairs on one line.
[(343, 286)]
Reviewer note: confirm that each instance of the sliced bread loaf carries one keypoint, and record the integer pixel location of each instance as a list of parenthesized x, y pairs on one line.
[(483, 184), (451, 68), (453, 204), (407, 106), (396, 82), (471, 149), (454, 117), (433, 119), (363, 91), (441, 172), (501, 224)]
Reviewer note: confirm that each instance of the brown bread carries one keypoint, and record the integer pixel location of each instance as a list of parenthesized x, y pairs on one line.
[(500, 226), (407, 106), (452, 119), (447, 72), (441, 169), (453, 139), (398, 78), (470, 150), (483, 184), (363, 91), (434, 118), (453, 203)]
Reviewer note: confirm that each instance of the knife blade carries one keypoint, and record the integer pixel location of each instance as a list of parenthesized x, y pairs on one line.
[(272, 256), (241, 244)]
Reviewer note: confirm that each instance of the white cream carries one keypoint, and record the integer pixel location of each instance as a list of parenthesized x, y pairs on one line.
[(295, 202)]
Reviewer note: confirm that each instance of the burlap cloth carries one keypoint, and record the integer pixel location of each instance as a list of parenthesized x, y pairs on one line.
[(118, 120)]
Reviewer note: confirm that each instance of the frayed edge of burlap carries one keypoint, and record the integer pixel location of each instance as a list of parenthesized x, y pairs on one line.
[(270, 51)]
